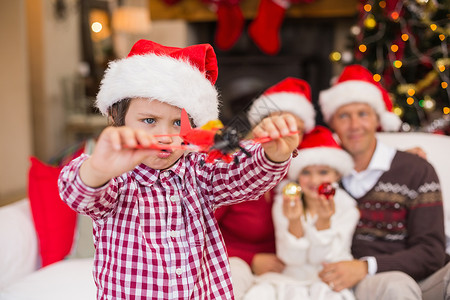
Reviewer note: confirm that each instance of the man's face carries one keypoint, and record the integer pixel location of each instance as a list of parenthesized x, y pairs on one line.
[(356, 124)]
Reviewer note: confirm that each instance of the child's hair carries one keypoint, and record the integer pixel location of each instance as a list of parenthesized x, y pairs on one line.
[(118, 111)]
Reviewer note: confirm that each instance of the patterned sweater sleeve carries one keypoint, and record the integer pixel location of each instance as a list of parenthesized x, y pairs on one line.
[(94, 202)]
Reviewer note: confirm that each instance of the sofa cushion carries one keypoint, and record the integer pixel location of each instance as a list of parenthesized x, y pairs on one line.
[(18, 243), (53, 219), (69, 280)]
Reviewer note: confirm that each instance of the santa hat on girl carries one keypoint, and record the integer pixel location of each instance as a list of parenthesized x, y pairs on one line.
[(356, 84), (319, 148), (290, 95), (182, 77)]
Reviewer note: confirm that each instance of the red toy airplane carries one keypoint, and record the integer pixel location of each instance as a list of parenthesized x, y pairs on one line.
[(213, 138)]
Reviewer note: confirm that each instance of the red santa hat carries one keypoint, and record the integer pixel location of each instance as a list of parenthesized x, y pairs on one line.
[(182, 77), (290, 95), (319, 148), (356, 84)]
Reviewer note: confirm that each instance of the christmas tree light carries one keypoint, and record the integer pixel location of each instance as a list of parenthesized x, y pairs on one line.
[(404, 43)]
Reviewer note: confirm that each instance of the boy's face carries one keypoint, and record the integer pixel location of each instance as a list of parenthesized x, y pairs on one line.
[(356, 125), (311, 177), (157, 118)]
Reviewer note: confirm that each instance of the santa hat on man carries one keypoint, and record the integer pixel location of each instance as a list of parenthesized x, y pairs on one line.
[(290, 95), (182, 77), (319, 148), (356, 84)]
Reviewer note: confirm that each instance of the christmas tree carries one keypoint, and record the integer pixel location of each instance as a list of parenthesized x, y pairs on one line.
[(405, 45)]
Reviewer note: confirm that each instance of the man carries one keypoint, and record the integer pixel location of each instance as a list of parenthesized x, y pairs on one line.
[(399, 242)]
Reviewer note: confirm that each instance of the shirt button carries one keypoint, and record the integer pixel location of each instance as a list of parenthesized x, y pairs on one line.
[(179, 271), (173, 233), (166, 174), (174, 198)]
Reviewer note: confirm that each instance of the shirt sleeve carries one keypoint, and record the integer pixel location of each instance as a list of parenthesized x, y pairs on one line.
[(248, 180), (334, 244), (290, 249), (94, 202), (317, 246)]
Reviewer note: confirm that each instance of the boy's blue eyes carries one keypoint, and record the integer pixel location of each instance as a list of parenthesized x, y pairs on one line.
[(153, 121), (149, 121)]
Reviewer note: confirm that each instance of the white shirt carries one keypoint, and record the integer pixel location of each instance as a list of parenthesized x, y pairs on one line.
[(304, 256), (358, 184)]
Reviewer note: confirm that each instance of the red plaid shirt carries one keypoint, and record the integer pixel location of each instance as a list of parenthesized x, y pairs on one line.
[(154, 230)]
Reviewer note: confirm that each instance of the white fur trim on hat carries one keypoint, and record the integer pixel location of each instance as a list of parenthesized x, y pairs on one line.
[(333, 157), (352, 91), (390, 121), (284, 101), (161, 78)]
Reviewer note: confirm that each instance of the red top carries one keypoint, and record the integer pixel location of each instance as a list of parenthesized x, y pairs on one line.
[(247, 227)]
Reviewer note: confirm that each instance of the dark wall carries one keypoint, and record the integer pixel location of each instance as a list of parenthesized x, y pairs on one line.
[(245, 72)]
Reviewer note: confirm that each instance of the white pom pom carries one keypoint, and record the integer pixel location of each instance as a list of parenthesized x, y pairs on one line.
[(390, 121)]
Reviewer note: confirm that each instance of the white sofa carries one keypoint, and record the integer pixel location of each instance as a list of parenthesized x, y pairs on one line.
[(21, 278), (20, 275)]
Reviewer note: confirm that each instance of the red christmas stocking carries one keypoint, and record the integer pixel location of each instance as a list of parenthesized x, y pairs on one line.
[(265, 28), (230, 23)]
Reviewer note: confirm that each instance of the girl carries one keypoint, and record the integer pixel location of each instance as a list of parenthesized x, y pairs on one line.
[(311, 229)]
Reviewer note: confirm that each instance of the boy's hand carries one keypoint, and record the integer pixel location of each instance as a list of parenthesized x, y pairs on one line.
[(279, 128), (113, 154)]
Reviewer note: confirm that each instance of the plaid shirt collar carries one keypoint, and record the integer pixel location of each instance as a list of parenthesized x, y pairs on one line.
[(147, 176)]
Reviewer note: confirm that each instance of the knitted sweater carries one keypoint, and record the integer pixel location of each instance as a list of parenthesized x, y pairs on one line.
[(402, 221)]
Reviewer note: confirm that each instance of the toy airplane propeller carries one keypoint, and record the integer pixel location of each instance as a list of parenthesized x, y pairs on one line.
[(217, 141)]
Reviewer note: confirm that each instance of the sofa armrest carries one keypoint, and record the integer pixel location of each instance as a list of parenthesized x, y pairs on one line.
[(18, 240)]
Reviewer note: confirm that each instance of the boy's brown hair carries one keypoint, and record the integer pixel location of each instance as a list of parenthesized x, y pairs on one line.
[(118, 111)]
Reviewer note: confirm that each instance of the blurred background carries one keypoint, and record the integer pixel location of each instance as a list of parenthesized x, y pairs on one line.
[(53, 54)]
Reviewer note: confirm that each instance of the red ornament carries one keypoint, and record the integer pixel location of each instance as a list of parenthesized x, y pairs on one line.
[(327, 189)]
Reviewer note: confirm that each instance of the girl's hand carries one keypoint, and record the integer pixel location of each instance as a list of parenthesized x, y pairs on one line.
[(292, 207), (279, 128), (293, 210), (326, 209), (114, 154)]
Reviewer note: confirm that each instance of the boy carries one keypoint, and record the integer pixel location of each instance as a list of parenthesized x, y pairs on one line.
[(154, 227)]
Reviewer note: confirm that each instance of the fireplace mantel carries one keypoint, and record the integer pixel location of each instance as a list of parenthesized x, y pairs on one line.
[(197, 11)]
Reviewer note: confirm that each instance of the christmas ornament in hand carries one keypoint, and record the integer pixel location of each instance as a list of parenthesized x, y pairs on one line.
[(327, 189), (265, 28)]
